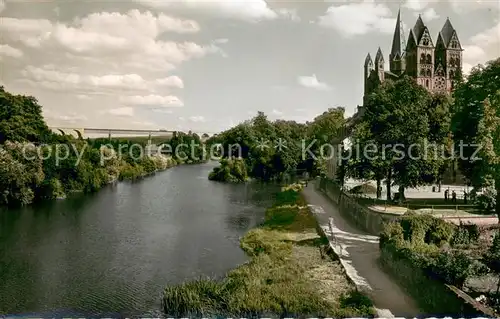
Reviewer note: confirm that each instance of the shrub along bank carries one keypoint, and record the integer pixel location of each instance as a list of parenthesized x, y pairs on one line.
[(25, 177), (426, 254), (289, 274)]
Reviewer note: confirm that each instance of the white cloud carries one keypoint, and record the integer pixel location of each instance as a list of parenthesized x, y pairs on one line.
[(290, 14), (429, 15), (277, 112), (50, 78), (312, 82), (121, 111), (249, 10), (83, 97), (71, 118), (358, 18), (197, 119), (7, 50), (416, 5), (221, 41), (152, 100), (483, 47), (461, 6)]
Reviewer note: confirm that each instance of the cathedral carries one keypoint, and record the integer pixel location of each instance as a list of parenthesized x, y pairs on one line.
[(433, 66)]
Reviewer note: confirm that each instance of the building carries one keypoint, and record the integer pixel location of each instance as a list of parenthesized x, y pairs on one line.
[(433, 65)]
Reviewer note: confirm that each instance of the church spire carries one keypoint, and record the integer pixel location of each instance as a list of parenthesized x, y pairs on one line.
[(396, 40)]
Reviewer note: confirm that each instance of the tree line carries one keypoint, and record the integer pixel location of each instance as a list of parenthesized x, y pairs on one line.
[(31, 171), (432, 132)]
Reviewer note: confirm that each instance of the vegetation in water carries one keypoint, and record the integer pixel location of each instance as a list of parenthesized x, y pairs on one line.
[(285, 276), (272, 150)]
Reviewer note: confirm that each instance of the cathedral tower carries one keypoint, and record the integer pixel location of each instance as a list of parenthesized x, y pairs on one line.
[(420, 55), (379, 65), (397, 58), (448, 57), (368, 71)]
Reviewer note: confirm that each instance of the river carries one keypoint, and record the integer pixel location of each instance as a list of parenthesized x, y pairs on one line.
[(112, 253)]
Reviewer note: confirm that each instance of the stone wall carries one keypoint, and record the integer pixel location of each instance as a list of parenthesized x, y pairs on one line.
[(366, 219), (432, 296)]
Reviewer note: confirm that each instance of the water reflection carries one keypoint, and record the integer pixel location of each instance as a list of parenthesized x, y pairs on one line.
[(114, 251)]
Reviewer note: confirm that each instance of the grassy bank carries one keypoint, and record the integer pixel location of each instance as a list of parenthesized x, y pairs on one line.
[(290, 274)]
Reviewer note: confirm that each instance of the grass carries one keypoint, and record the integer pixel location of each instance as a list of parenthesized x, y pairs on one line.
[(290, 274)]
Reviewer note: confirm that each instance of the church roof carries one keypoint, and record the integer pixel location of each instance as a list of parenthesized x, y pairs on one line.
[(418, 29), (396, 50), (447, 32), (368, 59), (379, 56)]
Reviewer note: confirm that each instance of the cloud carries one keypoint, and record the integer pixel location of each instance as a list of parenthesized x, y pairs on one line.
[(50, 78), (221, 41), (429, 15), (277, 112), (289, 14), (152, 100), (481, 48), (249, 10), (71, 118), (312, 82), (358, 18), (121, 111), (7, 50), (197, 119)]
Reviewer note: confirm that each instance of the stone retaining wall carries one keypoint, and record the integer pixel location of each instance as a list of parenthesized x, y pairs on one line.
[(366, 219)]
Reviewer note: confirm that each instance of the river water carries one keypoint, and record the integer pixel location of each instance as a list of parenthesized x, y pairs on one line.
[(113, 252)]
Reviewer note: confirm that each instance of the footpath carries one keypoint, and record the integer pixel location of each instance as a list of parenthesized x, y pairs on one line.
[(359, 254)]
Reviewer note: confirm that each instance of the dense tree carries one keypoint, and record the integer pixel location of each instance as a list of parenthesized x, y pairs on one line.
[(401, 136), (21, 119), (476, 126)]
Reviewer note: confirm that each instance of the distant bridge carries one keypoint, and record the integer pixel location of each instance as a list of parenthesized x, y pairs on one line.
[(81, 132)]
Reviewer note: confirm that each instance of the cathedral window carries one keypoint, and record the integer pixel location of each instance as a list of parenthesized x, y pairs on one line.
[(429, 73), (452, 74), (422, 72), (454, 44), (422, 58), (429, 59), (426, 41), (427, 83), (457, 62)]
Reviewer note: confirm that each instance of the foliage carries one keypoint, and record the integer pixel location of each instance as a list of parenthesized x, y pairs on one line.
[(230, 170), (476, 124), (405, 117), (486, 202), (36, 164), (422, 240), (21, 119), (492, 258), (273, 150)]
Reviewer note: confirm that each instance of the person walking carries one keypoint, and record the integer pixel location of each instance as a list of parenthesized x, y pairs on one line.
[(446, 194), (454, 197)]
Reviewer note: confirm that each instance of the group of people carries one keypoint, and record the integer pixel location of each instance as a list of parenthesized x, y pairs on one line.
[(453, 196)]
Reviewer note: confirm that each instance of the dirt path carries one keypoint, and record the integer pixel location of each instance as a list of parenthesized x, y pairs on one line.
[(359, 254)]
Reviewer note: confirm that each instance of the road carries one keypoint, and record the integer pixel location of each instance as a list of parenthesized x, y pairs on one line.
[(359, 253)]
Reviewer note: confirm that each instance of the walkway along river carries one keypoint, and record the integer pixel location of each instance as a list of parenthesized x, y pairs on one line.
[(113, 252)]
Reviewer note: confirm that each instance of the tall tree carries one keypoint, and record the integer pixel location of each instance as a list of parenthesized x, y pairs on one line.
[(397, 114), (476, 126)]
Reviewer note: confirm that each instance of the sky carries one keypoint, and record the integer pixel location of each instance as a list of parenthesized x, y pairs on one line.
[(207, 65)]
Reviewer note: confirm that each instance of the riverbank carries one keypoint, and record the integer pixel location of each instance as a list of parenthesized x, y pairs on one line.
[(290, 273)]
